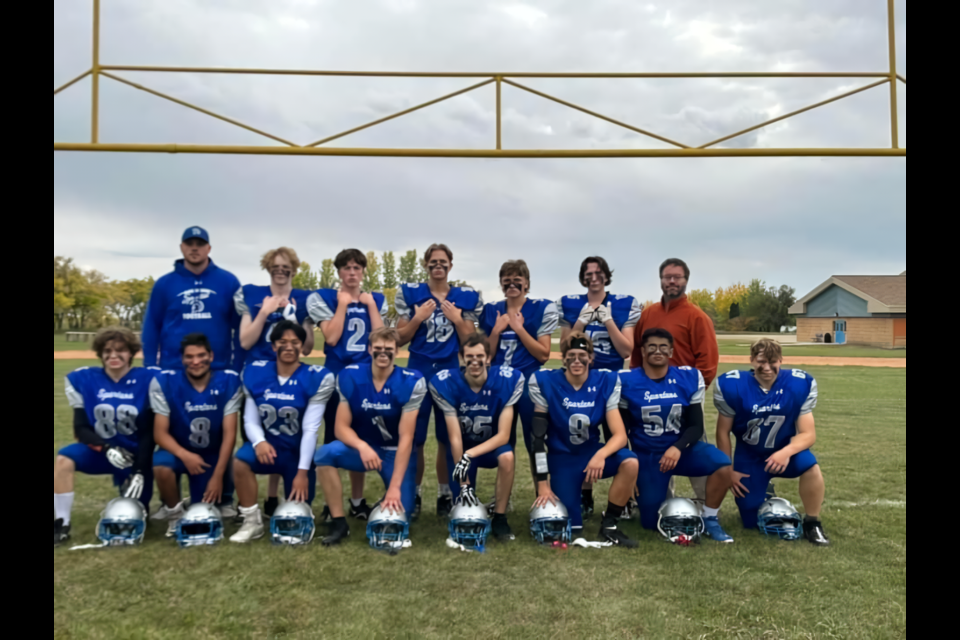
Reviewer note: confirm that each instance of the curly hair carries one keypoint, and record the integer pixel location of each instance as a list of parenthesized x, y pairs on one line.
[(266, 263), (116, 334)]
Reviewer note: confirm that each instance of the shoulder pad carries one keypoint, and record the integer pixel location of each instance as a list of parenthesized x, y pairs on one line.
[(413, 285), (409, 373), (259, 364), (81, 369), (605, 370), (171, 372), (468, 289), (625, 371), (572, 297)]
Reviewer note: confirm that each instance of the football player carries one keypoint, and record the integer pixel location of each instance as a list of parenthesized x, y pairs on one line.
[(346, 318), (112, 423), (279, 301), (663, 410), (195, 425), (434, 319), (376, 428), (478, 407), (520, 332), (284, 409), (570, 405), (770, 411)]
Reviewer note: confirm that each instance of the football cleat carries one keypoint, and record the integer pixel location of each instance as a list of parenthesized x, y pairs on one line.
[(587, 505), (444, 506), (388, 530), (417, 509), (681, 522), (631, 511), (61, 533), (338, 533), (270, 506), (162, 514), (252, 528), (293, 524), (492, 507), (779, 519), (610, 532), (173, 518), (122, 524), (228, 511), (200, 526), (501, 529), (550, 525), (360, 513), (815, 535), (714, 531), (325, 517)]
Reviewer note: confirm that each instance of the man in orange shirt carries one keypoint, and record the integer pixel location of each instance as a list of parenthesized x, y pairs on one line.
[(696, 339)]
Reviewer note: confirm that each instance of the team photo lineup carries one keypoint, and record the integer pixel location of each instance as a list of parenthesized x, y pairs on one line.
[(223, 364)]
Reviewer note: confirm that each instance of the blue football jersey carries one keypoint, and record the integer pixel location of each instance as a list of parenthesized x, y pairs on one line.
[(196, 418), (352, 347), (436, 340), (282, 405), (376, 414), (626, 311), (248, 302), (479, 413), (115, 409), (656, 406), (540, 318), (575, 416), (765, 421)]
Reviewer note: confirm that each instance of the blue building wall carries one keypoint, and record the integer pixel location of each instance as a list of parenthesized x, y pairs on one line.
[(835, 301)]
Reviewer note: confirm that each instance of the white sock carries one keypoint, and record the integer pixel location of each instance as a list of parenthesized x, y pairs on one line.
[(444, 491), (356, 503), (251, 514), (63, 506), (710, 513)]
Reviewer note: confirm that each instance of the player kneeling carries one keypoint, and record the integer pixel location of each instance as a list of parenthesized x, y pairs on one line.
[(284, 409), (663, 408), (770, 411), (478, 404), (195, 424), (571, 405), (376, 427)]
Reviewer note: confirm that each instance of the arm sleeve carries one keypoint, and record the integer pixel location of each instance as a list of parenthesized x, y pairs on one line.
[(145, 443), (318, 309), (251, 422), (400, 304), (707, 348), (416, 398), (447, 408), (536, 394), (152, 324), (83, 430), (158, 400), (551, 321), (312, 419), (720, 402), (240, 303), (693, 427), (564, 323), (517, 392), (811, 403), (636, 310)]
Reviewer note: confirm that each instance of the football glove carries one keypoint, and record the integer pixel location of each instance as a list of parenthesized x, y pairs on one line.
[(133, 487), (119, 458), (462, 472), (603, 314), (588, 315), (468, 498)]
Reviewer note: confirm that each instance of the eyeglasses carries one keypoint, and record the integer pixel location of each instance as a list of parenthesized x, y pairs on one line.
[(673, 278), (662, 348)]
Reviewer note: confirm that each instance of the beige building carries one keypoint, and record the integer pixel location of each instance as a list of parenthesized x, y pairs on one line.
[(862, 310)]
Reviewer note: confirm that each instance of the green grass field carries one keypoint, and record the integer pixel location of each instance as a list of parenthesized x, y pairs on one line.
[(756, 589)]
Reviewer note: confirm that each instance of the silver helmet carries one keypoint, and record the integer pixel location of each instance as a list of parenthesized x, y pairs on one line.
[(201, 525), (681, 522), (470, 526), (550, 524), (293, 523), (387, 530), (123, 523), (779, 518)]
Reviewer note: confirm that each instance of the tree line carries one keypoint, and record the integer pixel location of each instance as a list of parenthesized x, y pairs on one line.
[(753, 308)]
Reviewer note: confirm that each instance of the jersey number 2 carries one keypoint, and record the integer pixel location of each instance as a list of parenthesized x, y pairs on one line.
[(357, 329)]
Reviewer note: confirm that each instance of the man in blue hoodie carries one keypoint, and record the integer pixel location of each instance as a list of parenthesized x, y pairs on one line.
[(196, 298)]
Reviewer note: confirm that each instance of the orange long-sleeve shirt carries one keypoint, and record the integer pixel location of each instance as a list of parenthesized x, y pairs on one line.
[(695, 337)]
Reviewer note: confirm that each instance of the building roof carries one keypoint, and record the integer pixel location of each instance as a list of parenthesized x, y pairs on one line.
[(884, 294)]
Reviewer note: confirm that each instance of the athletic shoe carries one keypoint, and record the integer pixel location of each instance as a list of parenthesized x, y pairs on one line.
[(417, 509), (814, 534), (61, 533), (162, 514), (716, 532), (339, 531), (631, 510), (587, 506), (175, 515), (228, 511), (501, 529), (362, 512), (444, 506), (252, 528), (609, 532), (771, 491), (325, 517), (270, 506)]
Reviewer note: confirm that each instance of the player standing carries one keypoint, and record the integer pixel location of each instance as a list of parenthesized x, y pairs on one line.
[(520, 332), (570, 405), (770, 411), (663, 410), (478, 406), (347, 318), (284, 408), (112, 422), (435, 319), (195, 425), (376, 428)]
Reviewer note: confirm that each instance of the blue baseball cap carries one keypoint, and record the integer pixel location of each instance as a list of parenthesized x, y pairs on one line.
[(196, 233)]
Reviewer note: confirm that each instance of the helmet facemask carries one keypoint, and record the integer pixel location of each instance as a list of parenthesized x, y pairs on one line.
[(199, 534), (292, 531), (682, 531)]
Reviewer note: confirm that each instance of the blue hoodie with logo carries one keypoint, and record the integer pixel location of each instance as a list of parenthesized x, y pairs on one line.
[(183, 303)]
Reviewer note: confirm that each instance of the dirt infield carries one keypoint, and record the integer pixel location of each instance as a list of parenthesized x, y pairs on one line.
[(887, 363)]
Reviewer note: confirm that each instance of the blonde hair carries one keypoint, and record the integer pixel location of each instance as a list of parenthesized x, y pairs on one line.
[(267, 261), (385, 334), (433, 249), (769, 349)]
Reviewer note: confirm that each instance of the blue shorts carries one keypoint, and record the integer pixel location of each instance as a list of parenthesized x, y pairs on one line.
[(198, 484), (340, 456), (287, 466), (488, 461), (569, 472), (699, 461), (429, 369), (93, 463), (759, 480)]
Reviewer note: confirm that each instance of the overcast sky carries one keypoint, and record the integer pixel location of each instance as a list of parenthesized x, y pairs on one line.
[(787, 221)]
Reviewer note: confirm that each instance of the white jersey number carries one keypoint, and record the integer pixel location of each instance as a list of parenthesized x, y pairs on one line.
[(270, 418), (510, 346), (653, 424), (358, 329), (200, 433), (110, 422), (480, 429), (579, 429), (755, 429)]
